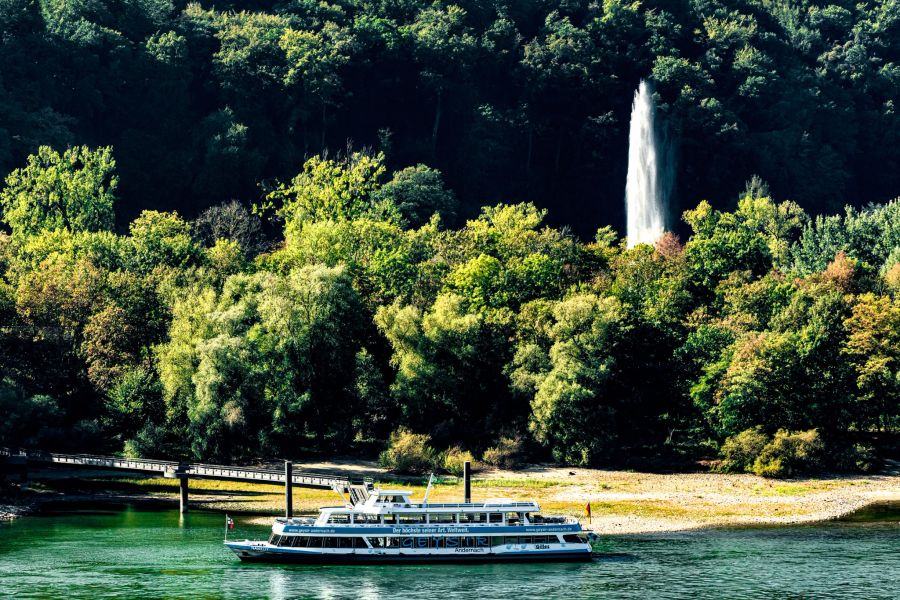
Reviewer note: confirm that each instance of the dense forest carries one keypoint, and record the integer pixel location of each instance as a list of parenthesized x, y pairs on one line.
[(267, 228), (769, 335), (524, 100)]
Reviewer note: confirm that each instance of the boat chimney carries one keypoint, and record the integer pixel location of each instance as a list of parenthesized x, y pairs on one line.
[(467, 481)]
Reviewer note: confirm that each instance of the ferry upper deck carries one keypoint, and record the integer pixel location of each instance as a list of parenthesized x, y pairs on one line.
[(393, 507)]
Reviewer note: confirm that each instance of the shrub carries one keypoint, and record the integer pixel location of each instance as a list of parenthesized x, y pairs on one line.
[(740, 451), (455, 458), (858, 457), (790, 453), (508, 453), (408, 453)]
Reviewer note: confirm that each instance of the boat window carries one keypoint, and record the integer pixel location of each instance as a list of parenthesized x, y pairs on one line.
[(421, 542), (511, 540), (274, 539), (393, 542), (498, 540), (377, 542), (390, 519), (315, 542), (442, 518), (572, 539), (495, 517), (482, 542), (339, 518), (472, 518), (525, 539), (512, 518), (407, 519), (453, 542), (366, 519), (406, 542)]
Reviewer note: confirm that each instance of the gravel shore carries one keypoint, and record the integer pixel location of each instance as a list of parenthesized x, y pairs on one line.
[(627, 502), (623, 502)]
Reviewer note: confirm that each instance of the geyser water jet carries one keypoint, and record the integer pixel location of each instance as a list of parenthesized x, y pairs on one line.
[(649, 182)]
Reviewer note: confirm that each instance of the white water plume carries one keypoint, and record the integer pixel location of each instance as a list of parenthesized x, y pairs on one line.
[(649, 182)]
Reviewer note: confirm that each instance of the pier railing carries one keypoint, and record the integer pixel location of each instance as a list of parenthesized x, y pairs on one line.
[(180, 469)]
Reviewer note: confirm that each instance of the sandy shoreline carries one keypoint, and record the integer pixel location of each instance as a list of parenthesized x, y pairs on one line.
[(622, 502), (703, 500)]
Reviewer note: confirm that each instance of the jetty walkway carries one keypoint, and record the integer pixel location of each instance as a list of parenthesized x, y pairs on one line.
[(18, 461)]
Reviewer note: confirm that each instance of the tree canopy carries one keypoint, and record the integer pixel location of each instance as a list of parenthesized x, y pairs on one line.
[(767, 335), (511, 101)]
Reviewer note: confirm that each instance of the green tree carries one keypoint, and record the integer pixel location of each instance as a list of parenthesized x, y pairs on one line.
[(314, 59), (329, 189), (74, 190), (262, 365), (873, 347), (448, 365), (162, 240), (418, 193), (445, 47), (570, 379)]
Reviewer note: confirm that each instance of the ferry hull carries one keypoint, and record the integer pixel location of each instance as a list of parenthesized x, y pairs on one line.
[(344, 559), (319, 559)]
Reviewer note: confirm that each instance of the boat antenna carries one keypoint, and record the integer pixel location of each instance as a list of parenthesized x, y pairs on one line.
[(428, 489)]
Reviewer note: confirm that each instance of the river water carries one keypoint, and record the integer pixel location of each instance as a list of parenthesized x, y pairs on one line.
[(138, 553)]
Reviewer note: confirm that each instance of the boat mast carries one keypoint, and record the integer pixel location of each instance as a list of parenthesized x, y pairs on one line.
[(428, 489)]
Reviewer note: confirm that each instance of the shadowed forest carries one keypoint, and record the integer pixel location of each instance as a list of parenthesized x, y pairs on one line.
[(513, 101), (266, 228)]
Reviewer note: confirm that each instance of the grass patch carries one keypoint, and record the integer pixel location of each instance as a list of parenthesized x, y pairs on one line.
[(800, 488), (529, 484)]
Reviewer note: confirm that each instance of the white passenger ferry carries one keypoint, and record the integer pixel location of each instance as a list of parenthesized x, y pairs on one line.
[(385, 526)]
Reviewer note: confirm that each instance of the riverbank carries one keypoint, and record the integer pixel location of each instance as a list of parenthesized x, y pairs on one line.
[(621, 501)]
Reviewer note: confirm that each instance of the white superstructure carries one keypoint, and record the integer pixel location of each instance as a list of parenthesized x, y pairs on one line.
[(385, 525)]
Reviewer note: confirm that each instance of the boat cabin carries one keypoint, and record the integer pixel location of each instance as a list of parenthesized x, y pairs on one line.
[(394, 508)]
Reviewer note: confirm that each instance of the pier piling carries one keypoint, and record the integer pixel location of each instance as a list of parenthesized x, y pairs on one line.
[(467, 482), (183, 488), (288, 489)]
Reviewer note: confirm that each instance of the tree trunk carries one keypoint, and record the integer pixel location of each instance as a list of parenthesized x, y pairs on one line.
[(437, 122)]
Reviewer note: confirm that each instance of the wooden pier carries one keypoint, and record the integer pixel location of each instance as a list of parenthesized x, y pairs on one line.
[(18, 461)]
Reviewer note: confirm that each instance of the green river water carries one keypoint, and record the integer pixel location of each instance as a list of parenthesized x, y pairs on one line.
[(138, 553)]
